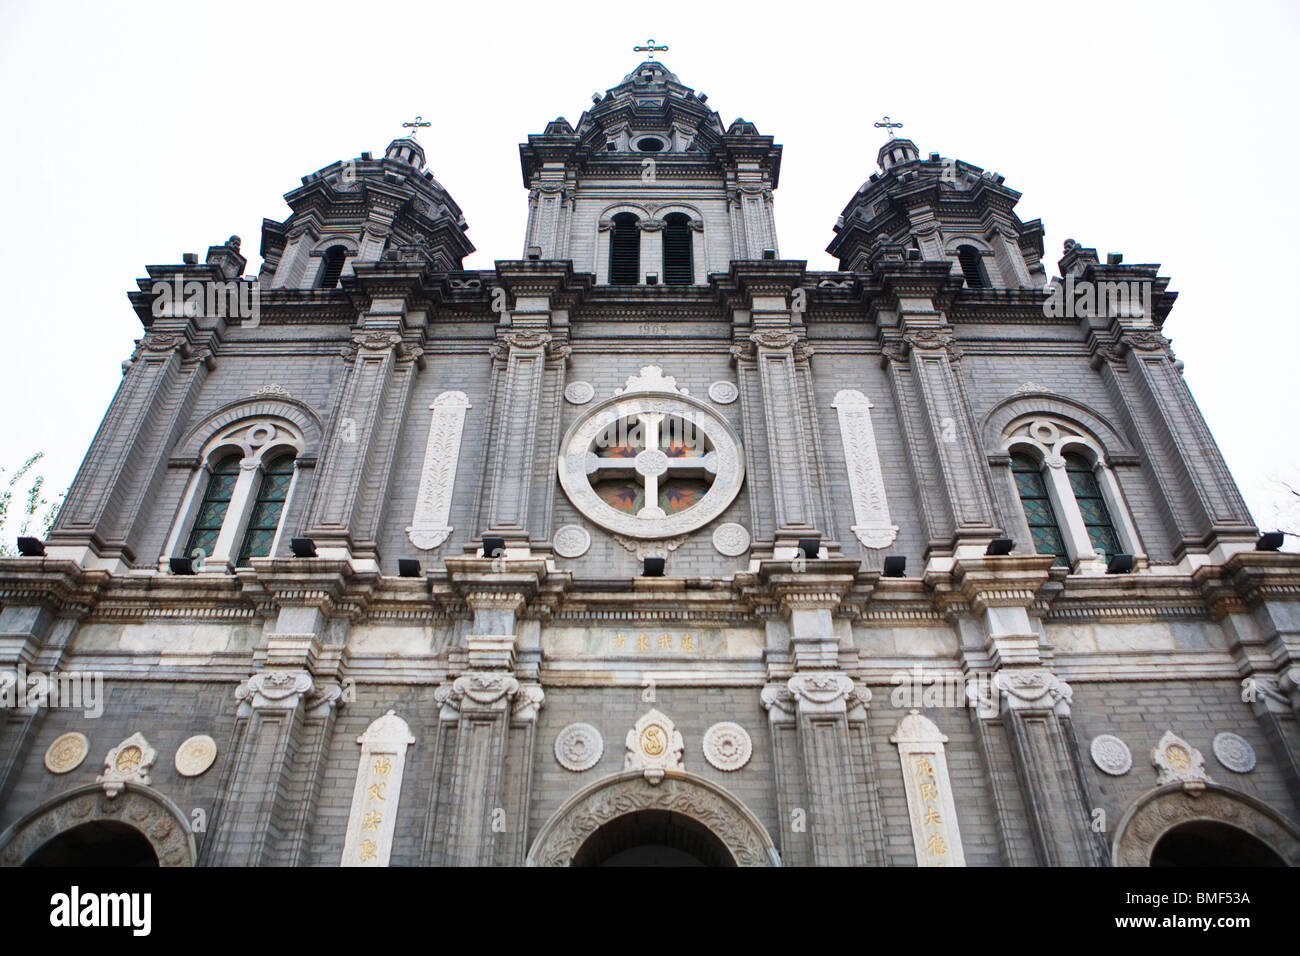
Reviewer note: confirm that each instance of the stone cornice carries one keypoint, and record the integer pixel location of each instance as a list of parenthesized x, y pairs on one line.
[(60, 587), (1248, 578), (983, 583)]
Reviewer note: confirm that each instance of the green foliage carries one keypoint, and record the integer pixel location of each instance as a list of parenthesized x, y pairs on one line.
[(34, 508)]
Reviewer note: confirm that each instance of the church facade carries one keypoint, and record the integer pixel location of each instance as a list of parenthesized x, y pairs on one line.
[(651, 546)]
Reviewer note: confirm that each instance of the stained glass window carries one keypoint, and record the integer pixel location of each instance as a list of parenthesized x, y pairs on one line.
[(265, 516), (1043, 526), (212, 512), (1092, 505)]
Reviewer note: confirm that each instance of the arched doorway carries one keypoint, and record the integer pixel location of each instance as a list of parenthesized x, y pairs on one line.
[(1216, 826), (653, 838), (99, 844), (624, 820), (87, 827), (1207, 843)]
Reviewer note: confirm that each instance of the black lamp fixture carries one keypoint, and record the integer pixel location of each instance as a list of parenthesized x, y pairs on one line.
[(1268, 541), (652, 278), (895, 566), (35, 547), (408, 568), (1000, 546), (769, 254), (493, 546), (181, 565), (811, 547), (302, 547), (1120, 564), (652, 567)]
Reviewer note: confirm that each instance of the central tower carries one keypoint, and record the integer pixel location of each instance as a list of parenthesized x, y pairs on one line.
[(650, 188)]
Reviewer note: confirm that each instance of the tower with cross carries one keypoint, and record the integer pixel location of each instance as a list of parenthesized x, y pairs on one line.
[(888, 127)]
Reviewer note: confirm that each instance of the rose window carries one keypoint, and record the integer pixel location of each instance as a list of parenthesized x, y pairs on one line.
[(651, 465)]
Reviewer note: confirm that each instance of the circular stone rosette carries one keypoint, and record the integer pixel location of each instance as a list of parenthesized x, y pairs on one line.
[(579, 393), (67, 752), (1111, 755), (579, 747), (195, 755), (731, 539), (724, 393), (1234, 753), (571, 541), (727, 746)]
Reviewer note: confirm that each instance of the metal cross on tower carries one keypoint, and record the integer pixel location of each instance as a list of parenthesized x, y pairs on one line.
[(419, 123), (889, 127), (650, 48)]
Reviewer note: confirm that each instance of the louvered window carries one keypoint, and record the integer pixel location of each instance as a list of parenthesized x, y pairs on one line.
[(678, 266), (331, 267), (267, 508), (971, 267), (1083, 482), (1043, 526), (625, 250)]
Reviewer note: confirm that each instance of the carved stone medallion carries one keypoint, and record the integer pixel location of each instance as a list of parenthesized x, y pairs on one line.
[(579, 393), (731, 539), (653, 746), (579, 747), (195, 755), (571, 541), (1111, 755), (724, 393), (727, 746), (66, 752), (128, 762), (1177, 761), (1234, 752)]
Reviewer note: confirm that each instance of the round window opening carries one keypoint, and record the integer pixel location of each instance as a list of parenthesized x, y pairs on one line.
[(651, 466), (650, 144)]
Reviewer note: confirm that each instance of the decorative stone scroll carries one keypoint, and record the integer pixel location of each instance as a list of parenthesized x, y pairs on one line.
[(930, 805), (128, 762), (1177, 761), (653, 747), (369, 840), (866, 481), (429, 527)]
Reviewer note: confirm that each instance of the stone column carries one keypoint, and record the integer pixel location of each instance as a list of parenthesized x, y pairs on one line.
[(1029, 704), (1202, 507)]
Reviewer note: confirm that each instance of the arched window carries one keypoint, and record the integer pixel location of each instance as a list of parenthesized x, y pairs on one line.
[(212, 512), (1044, 529), (679, 268), (1092, 505), (625, 250), (971, 267), (264, 520), (331, 267)]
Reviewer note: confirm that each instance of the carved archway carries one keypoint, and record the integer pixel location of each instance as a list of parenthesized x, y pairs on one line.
[(682, 793), (1159, 811), (158, 819)]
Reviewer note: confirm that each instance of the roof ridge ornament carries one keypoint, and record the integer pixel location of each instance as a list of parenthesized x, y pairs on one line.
[(652, 50), (888, 127)]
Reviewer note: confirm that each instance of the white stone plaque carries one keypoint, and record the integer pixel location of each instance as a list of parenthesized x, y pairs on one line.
[(579, 747), (579, 393), (67, 752), (724, 393), (369, 840), (1111, 755), (727, 746), (195, 755), (429, 527), (571, 541), (930, 805), (1234, 752), (731, 539), (866, 481)]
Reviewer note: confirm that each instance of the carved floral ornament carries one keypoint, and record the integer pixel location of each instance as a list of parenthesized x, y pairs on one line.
[(1177, 761), (653, 746), (727, 746), (651, 463), (128, 762)]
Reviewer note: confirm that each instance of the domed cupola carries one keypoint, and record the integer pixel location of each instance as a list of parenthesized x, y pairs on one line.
[(896, 152), (364, 210)]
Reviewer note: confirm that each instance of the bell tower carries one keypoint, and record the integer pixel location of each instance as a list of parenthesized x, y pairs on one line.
[(650, 188)]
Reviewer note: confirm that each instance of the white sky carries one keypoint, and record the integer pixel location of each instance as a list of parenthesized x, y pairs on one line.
[(1168, 132)]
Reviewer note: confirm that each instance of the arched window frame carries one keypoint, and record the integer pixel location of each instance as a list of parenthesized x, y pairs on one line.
[(614, 224), (326, 259), (1048, 440), (256, 441)]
